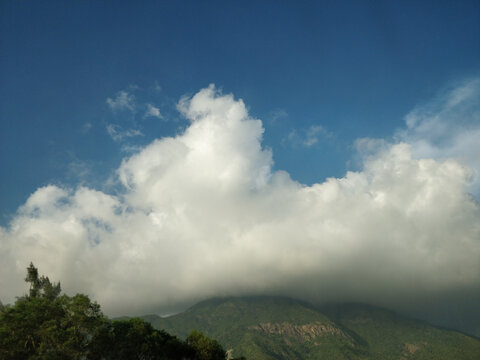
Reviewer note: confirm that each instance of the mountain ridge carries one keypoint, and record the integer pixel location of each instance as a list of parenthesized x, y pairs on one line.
[(280, 328)]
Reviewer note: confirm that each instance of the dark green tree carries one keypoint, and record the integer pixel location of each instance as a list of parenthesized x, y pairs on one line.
[(41, 286), (45, 325), (205, 348), (137, 339)]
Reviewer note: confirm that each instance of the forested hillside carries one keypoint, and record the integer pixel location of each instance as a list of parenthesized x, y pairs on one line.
[(45, 324), (268, 328)]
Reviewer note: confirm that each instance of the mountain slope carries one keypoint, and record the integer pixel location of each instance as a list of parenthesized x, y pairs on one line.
[(264, 328), (392, 336), (268, 328)]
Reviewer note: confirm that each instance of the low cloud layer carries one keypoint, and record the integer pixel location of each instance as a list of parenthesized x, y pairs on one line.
[(203, 214)]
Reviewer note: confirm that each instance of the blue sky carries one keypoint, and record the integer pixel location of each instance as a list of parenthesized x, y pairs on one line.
[(387, 90), (355, 68)]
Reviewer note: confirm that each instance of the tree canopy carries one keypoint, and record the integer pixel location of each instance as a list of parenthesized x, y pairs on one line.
[(46, 325), (207, 349)]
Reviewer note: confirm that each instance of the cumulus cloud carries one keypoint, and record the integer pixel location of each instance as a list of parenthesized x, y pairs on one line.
[(203, 214)]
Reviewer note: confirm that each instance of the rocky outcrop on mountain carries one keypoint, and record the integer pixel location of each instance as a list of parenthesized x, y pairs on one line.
[(299, 332)]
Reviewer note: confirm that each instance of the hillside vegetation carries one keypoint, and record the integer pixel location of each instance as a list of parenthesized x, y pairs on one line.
[(268, 328), (45, 324)]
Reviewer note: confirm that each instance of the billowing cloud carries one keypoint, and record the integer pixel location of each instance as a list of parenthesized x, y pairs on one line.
[(203, 214)]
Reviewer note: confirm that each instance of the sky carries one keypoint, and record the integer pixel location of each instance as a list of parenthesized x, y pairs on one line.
[(156, 154)]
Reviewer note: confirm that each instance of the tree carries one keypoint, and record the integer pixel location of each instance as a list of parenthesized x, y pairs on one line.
[(136, 339), (206, 348), (45, 325), (41, 287)]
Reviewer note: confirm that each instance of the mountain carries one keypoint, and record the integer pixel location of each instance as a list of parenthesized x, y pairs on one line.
[(268, 328)]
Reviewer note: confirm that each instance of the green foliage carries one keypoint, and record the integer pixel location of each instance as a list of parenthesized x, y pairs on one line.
[(205, 347), (137, 339), (41, 287), (392, 336), (295, 330), (45, 325), (232, 322)]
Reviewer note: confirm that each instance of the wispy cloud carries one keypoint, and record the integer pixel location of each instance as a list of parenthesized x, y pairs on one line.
[(130, 149), (117, 133), (122, 101), (153, 111), (277, 114), (307, 137), (156, 86), (80, 170), (448, 127), (86, 127), (125, 108)]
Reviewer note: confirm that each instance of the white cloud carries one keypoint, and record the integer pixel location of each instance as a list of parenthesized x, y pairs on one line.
[(153, 112), (448, 127), (117, 133), (370, 147), (203, 214), (123, 101)]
